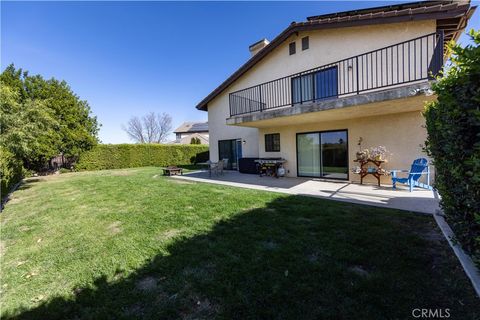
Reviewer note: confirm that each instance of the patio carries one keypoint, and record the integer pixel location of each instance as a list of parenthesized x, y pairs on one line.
[(420, 200)]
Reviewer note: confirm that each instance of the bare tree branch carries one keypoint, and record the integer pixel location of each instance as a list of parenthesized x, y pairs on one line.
[(164, 123), (134, 129), (152, 128)]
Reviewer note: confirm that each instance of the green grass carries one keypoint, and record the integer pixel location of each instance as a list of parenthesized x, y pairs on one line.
[(126, 244)]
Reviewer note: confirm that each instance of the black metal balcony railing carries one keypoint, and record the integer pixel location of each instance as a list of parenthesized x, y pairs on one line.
[(409, 61)]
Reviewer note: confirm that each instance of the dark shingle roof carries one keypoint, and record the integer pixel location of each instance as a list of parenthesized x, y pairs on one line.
[(451, 17)]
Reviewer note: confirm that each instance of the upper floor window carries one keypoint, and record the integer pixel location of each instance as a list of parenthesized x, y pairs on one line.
[(292, 48), (305, 43), (272, 142)]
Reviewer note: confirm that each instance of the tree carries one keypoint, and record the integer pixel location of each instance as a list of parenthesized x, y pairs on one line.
[(43, 118), (26, 127), (151, 128), (453, 125)]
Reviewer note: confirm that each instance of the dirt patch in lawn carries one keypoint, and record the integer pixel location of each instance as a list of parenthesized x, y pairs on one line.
[(269, 245), (122, 173), (359, 270), (3, 248), (14, 200), (200, 308), (203, 272), (169, 234), (178, 181), (115, 227), (146, 284), (24, 228)]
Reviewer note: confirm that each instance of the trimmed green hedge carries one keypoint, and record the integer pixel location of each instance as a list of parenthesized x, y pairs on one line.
[(453, 125), (117, 156), (11, 171)]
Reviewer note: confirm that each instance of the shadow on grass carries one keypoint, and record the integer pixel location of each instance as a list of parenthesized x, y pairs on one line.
[(321, 260), (29, 182)]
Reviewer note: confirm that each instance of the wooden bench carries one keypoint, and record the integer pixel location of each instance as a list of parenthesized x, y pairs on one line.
[(172, 171)]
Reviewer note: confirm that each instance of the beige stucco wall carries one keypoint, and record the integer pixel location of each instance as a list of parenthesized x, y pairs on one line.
[(403, 134), (326, 46)]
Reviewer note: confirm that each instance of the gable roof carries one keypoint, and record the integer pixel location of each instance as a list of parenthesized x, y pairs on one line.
[(451, 17), (192, 127)]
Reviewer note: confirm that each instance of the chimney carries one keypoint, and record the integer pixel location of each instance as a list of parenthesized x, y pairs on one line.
[(257, 46)]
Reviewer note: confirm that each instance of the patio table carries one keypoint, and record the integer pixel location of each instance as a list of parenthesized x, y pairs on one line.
[(377, 172)]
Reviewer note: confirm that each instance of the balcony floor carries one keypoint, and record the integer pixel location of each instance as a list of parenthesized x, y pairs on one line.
[(419, 200), (403, 98)]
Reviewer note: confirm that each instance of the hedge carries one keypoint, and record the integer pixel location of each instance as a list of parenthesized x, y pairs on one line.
[(11, 171), (117, 156), (453, 125)]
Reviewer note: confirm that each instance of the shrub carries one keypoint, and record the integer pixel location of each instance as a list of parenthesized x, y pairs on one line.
[(195, 140), (11, 171), (116, 156), (453, 125), (202, 156)]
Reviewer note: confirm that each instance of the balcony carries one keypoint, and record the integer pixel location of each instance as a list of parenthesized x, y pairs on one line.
[(396, 65)]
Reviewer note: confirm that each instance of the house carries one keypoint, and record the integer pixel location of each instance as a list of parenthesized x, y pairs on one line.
[(310, 94), (189, 130)]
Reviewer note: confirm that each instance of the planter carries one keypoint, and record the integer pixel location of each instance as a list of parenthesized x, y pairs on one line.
[(362, 155)]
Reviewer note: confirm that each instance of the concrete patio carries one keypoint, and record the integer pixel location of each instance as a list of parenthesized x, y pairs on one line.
[(419, 200)]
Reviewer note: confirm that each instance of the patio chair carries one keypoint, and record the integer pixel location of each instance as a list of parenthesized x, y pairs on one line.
[(216, 167), (220, 167), (225, 164), (212, 167), (419, 167)]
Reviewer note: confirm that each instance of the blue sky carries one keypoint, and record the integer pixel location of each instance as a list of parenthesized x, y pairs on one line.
[(129, 58)]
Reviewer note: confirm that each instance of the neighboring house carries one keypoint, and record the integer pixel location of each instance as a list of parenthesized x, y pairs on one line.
[(189, 130), (320, 85)]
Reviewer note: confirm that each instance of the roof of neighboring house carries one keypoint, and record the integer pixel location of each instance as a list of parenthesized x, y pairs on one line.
[(451, 17), (192, 127)]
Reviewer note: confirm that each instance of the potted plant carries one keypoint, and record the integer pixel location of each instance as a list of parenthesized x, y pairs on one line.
[(378, 153), (363, 155)]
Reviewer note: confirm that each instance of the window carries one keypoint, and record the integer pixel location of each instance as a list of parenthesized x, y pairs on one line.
[(305, 43), (272, 142), (292, 48)]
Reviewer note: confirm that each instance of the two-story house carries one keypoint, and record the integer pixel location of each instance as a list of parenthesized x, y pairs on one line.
[(311, 93), (188, 130)]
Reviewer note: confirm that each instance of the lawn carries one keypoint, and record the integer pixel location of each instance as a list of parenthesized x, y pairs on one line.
[(127, 244)]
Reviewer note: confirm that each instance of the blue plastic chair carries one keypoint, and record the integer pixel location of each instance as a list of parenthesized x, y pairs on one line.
[(416, 171)]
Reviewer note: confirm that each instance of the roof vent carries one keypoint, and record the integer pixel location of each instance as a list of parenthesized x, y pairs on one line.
[(257, 46)]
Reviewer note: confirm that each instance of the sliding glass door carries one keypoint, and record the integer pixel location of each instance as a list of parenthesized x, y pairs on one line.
[(334, 154), (315, 86), (308, 154), (231, 150), (323, 154)]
